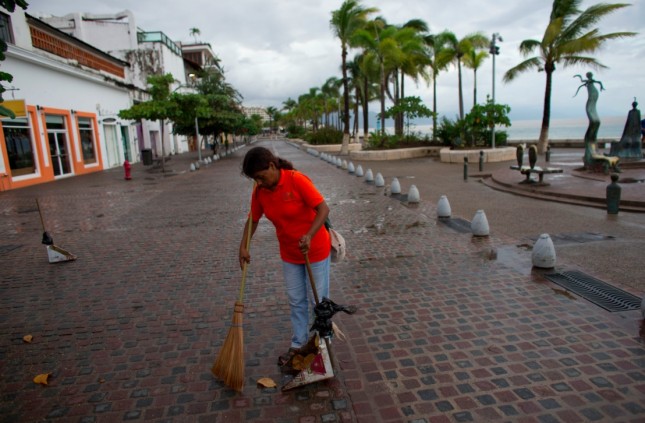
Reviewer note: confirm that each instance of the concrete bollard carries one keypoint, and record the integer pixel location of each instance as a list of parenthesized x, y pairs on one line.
[(369, 176), (413, 194), (547, 155), (395, 186), (465, 168), (613, 195), (443, 207), (196, 165), (359, 170), (343, 165), (479, 224), (192, 167), (339, 162), (379, 181), (481, 160), (350, 167), (543, 255)]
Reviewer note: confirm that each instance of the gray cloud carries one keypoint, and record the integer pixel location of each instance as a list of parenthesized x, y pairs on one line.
[(272, 50)]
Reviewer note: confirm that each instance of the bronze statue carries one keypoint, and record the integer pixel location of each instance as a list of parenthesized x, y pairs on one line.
[(629, 146), (592, 159)]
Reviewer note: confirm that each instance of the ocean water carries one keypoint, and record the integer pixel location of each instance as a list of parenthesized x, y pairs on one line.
[(559, 129)]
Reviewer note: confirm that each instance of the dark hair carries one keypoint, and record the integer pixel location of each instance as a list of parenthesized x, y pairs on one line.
[(259, 158)]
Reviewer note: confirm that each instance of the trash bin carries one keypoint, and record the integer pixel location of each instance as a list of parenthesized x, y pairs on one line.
[(146, 156)]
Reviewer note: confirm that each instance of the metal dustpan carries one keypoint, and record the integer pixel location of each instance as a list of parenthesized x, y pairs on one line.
[(314, 363), (57, 254)]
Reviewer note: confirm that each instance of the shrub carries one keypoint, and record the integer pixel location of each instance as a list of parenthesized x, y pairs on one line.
[(324, 136)]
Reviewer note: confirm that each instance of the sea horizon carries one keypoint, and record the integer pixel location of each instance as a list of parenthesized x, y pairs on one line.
[(559, 129)]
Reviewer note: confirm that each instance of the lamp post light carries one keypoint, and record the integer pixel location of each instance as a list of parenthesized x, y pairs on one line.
[(494, 51)]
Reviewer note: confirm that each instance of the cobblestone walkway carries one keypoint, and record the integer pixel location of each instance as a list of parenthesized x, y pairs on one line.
[(444, 332)]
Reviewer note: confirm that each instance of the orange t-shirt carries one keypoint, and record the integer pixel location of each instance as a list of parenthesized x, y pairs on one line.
[(290, 207)]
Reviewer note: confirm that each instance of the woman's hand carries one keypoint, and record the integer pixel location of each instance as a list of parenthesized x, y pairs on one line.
[(244, 257), (305, 244)]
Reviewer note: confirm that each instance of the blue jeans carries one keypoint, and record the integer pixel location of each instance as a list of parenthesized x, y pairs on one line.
[(300, 296)]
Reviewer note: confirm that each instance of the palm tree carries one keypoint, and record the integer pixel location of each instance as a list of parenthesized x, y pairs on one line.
[(345, 22), (439, 61), (473, 60), (456, 50), (271, 111), (566, 40), (194, 32), (330, 91)]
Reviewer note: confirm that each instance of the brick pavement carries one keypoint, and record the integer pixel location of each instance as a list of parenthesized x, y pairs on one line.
[(444, 334)]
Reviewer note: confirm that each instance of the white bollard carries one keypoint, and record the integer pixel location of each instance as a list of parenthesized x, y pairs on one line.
[(350, 167), (413, 194), (197, 165), (379, 181), (359, 170), (339, 163), (543, 255), (369, 176), (395, 186), (443, 207), (479, 224), (343, 165), (192, 167)]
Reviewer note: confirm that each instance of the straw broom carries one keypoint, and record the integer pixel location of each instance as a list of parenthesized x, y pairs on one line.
[(229, 365)]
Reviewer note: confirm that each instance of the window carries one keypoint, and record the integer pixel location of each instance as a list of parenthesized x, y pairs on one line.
[(19, 147), (5, 28), (87, 140)]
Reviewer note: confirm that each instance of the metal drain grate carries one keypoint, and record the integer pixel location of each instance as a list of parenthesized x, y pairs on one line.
[(598, 292), (457, 224)]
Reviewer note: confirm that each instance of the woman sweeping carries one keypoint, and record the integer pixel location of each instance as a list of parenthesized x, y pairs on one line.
[(298, 211)]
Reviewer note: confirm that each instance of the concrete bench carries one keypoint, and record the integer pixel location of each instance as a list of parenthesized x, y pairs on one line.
[(596, 161), (527, 170)]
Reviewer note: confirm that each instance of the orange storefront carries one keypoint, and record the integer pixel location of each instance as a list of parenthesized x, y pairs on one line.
[(45, 144)]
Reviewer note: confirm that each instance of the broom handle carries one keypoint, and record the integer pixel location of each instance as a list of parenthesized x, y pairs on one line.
[(249, 228), (42, 222)]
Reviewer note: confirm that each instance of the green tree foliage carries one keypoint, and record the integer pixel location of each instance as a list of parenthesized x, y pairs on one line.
[(411, 108), (159, 107), (568, 40), (481, 119)]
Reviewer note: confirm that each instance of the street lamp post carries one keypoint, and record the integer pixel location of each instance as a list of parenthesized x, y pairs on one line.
[(494, 51)]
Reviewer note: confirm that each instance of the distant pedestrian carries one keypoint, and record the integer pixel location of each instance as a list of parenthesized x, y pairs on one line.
[(298, 211)]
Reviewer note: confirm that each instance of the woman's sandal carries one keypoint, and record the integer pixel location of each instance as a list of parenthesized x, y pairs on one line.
[(286, 357)]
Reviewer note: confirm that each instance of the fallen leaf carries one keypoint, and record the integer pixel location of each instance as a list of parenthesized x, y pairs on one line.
[(27, 338), (42, 378), (266, 382)]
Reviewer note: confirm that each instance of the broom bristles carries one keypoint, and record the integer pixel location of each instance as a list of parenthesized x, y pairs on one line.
[(229, 365)]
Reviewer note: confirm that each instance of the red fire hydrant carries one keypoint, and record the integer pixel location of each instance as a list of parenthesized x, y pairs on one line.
[(127, 167)]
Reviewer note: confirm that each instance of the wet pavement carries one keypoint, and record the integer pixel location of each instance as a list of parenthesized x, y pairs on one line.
[(450, 328)]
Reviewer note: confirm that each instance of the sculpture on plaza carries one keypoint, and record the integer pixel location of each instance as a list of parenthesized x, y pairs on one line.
[(630, 144), (592, 159)]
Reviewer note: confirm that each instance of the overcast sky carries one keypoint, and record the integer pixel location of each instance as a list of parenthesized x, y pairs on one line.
[(275, 49)]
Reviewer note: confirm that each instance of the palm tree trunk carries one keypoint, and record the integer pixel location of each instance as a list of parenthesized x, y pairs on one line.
[(366, 124), (543, 141), (434, 107), (475, 88), (382, 98), (461, 95), (344, 149)]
